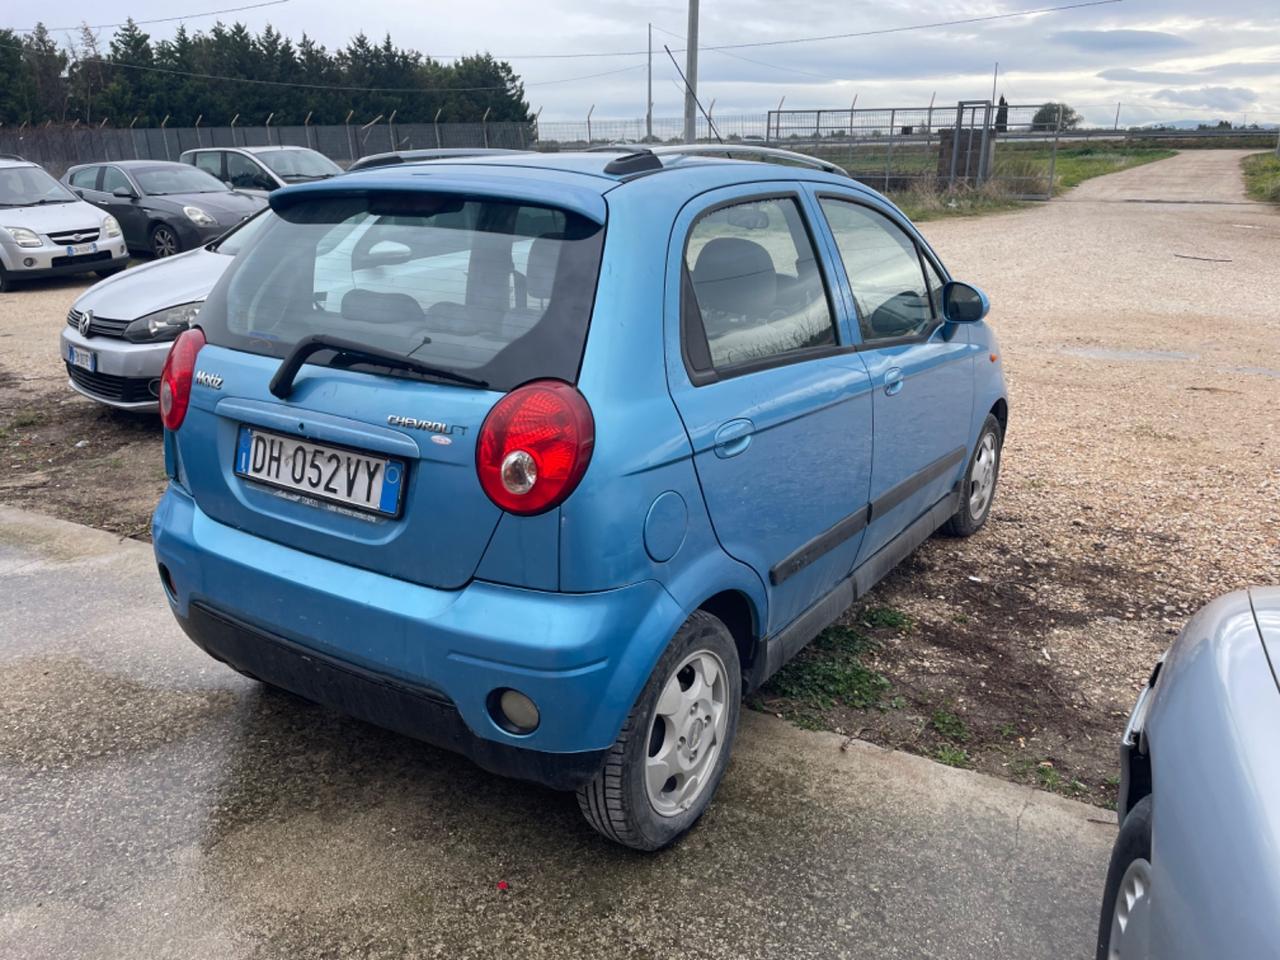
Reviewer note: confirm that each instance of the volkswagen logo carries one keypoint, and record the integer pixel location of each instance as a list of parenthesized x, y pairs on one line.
[(86, 323)]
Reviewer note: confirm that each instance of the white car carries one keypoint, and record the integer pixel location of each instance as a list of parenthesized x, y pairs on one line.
[(47, 231), (119, 331)]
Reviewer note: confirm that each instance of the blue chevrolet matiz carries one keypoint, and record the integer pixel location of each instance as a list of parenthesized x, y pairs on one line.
[(547, 459)]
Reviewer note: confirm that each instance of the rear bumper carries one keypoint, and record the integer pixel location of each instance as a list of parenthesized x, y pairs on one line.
[(420, 661)]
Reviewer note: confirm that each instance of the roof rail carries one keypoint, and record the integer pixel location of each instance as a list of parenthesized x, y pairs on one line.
[(745, 149)]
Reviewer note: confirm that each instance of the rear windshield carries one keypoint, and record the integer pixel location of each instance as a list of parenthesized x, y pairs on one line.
[(497, 291)]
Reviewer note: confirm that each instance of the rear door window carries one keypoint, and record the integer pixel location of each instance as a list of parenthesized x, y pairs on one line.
[(498, 291), (754, 292), (86, 179), (210, 163), (246, 174), (113, 178)]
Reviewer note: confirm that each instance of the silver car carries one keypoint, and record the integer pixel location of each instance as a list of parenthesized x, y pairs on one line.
[(1195, 871), (47, 231), (119, 331), (259, 170)]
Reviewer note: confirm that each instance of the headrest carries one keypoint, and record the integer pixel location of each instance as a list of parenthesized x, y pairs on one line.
[(374, 307), (540, 271), (735, 276)]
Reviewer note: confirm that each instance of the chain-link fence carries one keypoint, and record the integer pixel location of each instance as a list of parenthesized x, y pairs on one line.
[(973, 144)]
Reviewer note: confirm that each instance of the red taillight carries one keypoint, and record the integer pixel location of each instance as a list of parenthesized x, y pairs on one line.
[(534, 447), (175, 382)]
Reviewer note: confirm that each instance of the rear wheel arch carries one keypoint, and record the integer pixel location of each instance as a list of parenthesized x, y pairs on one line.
[(735, 610)]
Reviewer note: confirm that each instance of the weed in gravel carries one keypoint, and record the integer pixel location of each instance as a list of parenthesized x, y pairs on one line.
[(830, 671), (952, 756), (1048, 776), (950, 726), (27, 419), (884, 617)]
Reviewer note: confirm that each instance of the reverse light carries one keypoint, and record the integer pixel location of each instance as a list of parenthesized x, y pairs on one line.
[(23, 237), (175, 381), (534, 447), (199, 217)]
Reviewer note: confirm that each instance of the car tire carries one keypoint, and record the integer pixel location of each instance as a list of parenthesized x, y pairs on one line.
[(1128, 875), (978, 491), (7, 283), (689, 708), (164, 241)]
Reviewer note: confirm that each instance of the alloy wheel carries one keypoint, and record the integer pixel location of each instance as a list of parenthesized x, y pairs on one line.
[(687, 733)]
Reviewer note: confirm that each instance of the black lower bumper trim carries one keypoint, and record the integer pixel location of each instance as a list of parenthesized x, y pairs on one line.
[(419, 712)]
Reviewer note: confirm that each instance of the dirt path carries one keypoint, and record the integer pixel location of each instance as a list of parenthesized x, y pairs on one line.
[(1141, 473)]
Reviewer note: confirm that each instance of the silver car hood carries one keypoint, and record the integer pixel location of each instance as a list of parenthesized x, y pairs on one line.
[(53, 217), (154, 286), (1266, 611)]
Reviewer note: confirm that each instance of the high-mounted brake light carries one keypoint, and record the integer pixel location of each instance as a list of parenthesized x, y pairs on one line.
[(534, 447), (175, 381)]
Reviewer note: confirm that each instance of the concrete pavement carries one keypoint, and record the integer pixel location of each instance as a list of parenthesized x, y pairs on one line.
[(154, 804)]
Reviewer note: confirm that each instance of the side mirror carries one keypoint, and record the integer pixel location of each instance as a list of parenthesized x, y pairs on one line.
[(964, 303), (124, 193), (80, 193), (385, 253)]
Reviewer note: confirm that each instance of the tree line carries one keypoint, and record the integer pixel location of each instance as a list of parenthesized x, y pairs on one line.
[(132, 77)]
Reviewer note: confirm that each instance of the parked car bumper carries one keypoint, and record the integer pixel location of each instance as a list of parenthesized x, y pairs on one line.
[(422, 661), (125, 375), (48, 260)]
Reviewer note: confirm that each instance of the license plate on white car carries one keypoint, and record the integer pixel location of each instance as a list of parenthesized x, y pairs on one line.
[(82, 249), (84, 359), (354, 479)]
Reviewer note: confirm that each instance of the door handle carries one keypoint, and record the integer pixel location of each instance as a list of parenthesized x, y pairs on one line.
[(733, 438), (893, 381)]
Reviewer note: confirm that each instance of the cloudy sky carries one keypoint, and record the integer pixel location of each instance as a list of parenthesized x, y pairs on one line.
[(1161, 59)]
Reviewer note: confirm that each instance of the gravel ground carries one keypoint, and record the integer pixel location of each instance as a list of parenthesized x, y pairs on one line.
[(1141, 337)]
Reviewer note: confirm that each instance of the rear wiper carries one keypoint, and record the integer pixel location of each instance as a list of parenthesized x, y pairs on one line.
[(282, 383)]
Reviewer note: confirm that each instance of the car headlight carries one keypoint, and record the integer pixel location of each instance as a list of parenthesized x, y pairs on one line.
[(163, 324), (199, 217), (24, 237), (110, 227)]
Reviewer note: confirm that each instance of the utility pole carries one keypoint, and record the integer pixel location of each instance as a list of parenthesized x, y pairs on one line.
[(1117, 126), (994, 77), (691, 76), (648, 101)]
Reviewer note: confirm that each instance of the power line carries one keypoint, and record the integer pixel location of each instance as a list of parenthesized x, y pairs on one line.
[(142, 23), (114, 64), (831, 36), (759, 63)]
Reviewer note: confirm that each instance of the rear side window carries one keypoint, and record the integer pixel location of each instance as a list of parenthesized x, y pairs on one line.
[(753, 289), (85, 179), (210, 163), (498, 291), (884, 270), (245, 174)]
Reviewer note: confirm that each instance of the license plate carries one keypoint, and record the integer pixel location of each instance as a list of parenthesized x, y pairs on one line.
[(336, 474), (85, 359), (79, 250)]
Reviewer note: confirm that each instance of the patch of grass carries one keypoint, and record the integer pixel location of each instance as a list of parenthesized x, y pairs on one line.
[(1048, 776), (884, 617), (1008, 731), (925, 204), (952, 756), (1262, 177), (27, 419), (950, 726), (830, 671)]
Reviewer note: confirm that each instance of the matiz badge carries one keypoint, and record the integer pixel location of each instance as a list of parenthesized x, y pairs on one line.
[(210, 380)]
